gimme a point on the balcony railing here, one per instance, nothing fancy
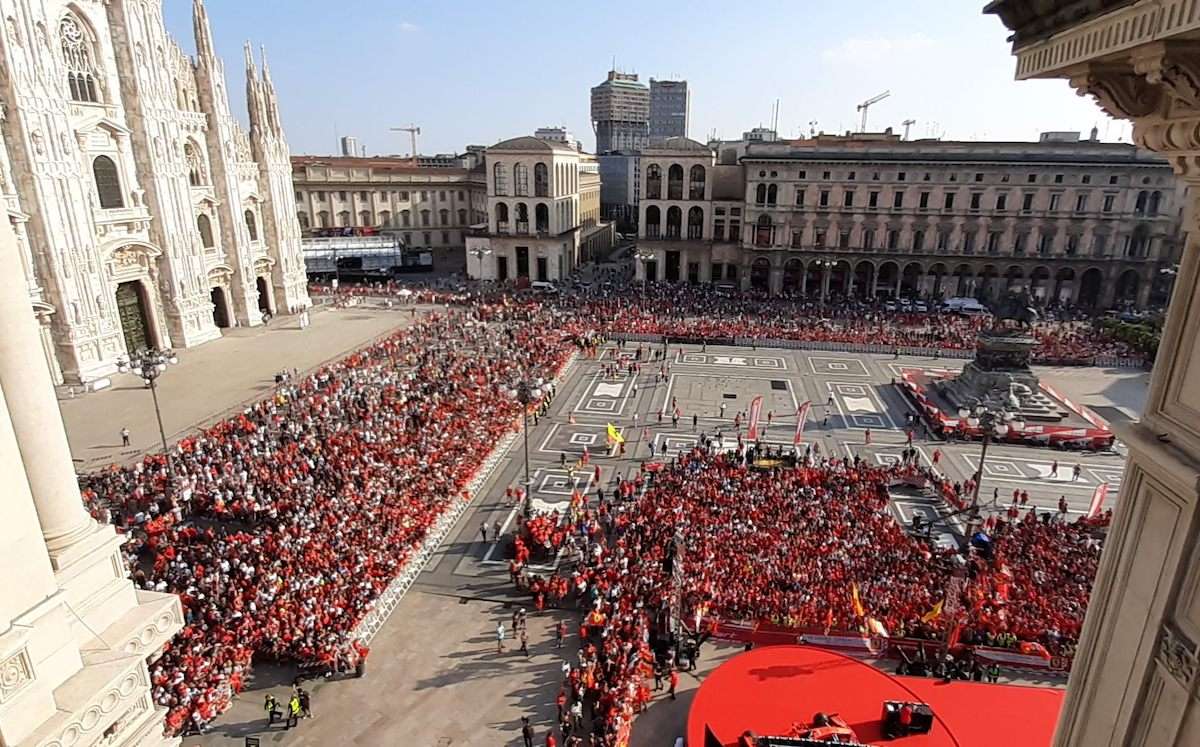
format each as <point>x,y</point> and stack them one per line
<point>522,227</point>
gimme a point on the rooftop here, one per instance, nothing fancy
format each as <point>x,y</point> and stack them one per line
<point>530,144</point>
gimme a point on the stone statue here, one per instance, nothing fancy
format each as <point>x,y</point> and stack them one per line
<point>1015,306</point>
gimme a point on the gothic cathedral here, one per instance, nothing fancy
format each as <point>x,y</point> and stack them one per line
<point>147,216</point>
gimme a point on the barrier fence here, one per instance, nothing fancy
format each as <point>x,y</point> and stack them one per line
<point>846,347</point>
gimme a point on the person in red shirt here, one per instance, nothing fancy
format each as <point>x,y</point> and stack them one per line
<point>674,680</point>
<point>550,740</point>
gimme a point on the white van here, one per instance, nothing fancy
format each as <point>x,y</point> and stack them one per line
<point>541,286</point>
<point>964,306</point>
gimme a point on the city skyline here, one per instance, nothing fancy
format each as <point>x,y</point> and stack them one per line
<point>455,67</point>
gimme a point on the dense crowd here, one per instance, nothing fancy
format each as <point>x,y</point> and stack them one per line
<point>811,547</point>
<point>279,527</point>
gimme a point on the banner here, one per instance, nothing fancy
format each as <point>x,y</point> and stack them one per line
<point>755,413</point>
<point>614,435</point>
<point>1098,497</point>
<point>801,416</point>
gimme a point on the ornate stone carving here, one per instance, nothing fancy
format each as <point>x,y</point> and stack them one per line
<point>1171,65</point>
<point>15,673</point>
<point>1119,91</point>
<point>1178,656</point>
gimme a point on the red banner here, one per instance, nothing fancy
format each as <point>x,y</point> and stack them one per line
<point>1098,500</point>
<point>755,413</point>
<point>801,416</point>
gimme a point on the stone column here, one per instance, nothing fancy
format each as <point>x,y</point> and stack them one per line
<point>1143,294</point>
<point>33,408</point>
<point>826,276</point>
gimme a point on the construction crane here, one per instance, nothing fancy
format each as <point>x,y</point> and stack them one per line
<point>908,123</point>
<point>413,131</point>
<point>867,105</point>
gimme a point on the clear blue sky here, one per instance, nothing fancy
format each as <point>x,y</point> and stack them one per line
<point>478,72</point>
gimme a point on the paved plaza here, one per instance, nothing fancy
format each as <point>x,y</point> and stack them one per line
<point>434,677</point>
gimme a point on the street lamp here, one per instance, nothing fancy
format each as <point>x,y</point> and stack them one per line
<point>825,266</point>
<point>148,364</point>
<point>480,252</point>
<point>644,257</point>
<point>992,421</point>
<point>526,392</point>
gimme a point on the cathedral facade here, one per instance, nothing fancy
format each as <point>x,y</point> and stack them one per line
<point>146,214</point>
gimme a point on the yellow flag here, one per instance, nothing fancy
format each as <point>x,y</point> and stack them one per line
<point>614,435</point>
<point>933,614</point>
<point>855,601</point>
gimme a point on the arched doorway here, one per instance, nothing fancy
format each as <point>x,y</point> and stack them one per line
<point>933,281</point>
<point>133,311</point>
<point>1090,284</point>
<point>792,272</point>
<point>863,277</point>
<point>985,287</point>
<point>885,279</point>
<point>265,302</point>
<point>1014,279</point>
<point>910,286</point>
<point>220,301</point>
<point>1064,285</point>
<point>760,274</point>
<point>1039,281</point>
<point>964,285</point>
<point>813,280</point>
<point>1127,287</point>
<point>839,281</point>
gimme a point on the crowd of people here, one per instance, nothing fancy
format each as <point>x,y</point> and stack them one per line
<point>279,527</point>
<point>811,547</point>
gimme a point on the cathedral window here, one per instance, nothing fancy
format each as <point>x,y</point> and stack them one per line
<point>79,59</point>
<point>197,176</point>
<point>251,225</point>
<point>204,226</point>
<point>108,183</point>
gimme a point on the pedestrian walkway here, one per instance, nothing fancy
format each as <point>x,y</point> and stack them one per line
<point>211,380</point>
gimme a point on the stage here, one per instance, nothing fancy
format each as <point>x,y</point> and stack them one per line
<point>769,689</point>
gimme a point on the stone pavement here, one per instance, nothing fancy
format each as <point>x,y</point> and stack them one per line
<point>211,380</point>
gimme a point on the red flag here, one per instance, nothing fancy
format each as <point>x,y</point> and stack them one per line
<point>1098,500</point>
<point>755,412</point>
<point>801,416</point>
<point>952,641</point>
<point>828,620</point>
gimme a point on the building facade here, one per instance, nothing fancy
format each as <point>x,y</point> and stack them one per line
<point>425,206</point>
<point>1079,222</point>
<point>146,215</point>
<point>543,213</point>
<point>1135,679</point>
<point>670,106</point>
<point>76,636</point>
<point>620,113</point>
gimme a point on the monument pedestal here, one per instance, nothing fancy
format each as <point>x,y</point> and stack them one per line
<point>1000,373</point>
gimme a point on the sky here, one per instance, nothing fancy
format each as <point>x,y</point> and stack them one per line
<point>473,72</point>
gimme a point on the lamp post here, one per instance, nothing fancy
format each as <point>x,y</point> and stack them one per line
<point>826,266</point>
<point>480,252</point>
<point>992,421</point>
<point>644,257</point>
<point>526,392</point>
<point>148,364</point>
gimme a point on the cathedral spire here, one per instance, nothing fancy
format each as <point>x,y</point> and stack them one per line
<point>203,32</point>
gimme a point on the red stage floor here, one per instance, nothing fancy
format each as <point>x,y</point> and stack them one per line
<point>771,688</point>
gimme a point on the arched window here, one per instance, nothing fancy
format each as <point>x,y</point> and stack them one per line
<point>653,222</point>
<point>762,231</point>
<point>696,183</point>
<point>653,182</point>
<point>772,194</point>
<point>1140,207</point>
<point>760,194</point>
<point>108,183</point>
<point>541,217</point>
<point>520,180</point>
<point>424,217</point>
<point>79,59</point>
<point>364,218</point>
<point>303,218</point>
<point>197,176</point>
<point>674,221</point>
<point>405,218</point>
<point>204,226</point>
<point>462,217</point>
<point>675,182</point>
<point>344,218</point>
<point>522,218</point>
<point>444,217</point>
<point>541,180</point>
<point>500,179</point>
<point>501,217</point>
<point>695,223</point>
<point>1155,199</point>
<point>385,218</point>
<point>251,224</point>
<point>323,219</point>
